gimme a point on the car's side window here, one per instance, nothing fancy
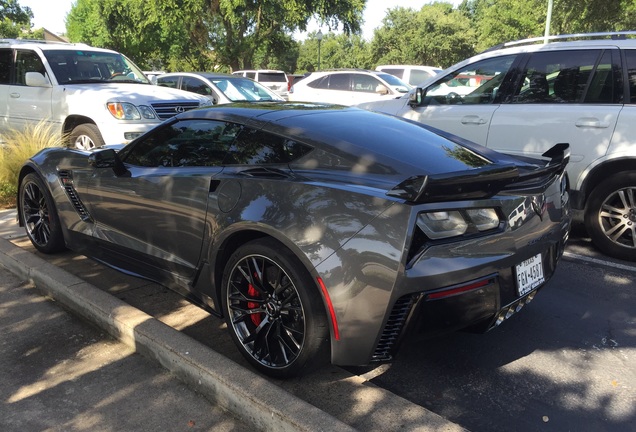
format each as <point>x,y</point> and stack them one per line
<point>171,82</point>
<point>27,61</point>
<point>195,85</point>
<point>340,82</point>
<point>256,147</point>
<point>477,83</point>
<point>6,59</point>
<point>576,76</point>
<point>630,59</point>
<point>185,143</point>
<point>365,83</point>
<point>320,83</point>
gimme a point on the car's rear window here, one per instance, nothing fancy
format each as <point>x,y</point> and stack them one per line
<point>272,77</point>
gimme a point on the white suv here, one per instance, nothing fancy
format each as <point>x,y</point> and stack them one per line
<point>275,80</point>
<point>411,74</point>
<point>524,97</point>
<point>348,87</point>
<point>93,96</point>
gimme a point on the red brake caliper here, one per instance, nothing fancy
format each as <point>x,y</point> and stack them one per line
<point>256,318</point>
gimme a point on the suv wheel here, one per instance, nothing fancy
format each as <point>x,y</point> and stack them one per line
<point>610,216</point>
<point>86,137</point>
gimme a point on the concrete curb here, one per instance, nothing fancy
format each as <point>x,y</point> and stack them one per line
<point>240,391</point>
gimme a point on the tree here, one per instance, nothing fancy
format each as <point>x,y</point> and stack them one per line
<point>336,51</point>
<point>437,35</point>
<point>14,19</point>
<point>206,34</point>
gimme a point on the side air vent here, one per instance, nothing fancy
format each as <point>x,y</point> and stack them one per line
<point>66,178</point>
<point>393,329</point>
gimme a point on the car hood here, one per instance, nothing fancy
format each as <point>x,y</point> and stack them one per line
<point>129,92</point>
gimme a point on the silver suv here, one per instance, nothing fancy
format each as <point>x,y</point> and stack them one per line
<point>524,97</point>
<point>92,95</point>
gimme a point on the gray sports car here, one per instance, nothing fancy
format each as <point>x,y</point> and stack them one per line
<point>316,231</point>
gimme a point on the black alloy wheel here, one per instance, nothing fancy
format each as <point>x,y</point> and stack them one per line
<point>39,215</point>
<point>610,216</point>
<point>273,309</point>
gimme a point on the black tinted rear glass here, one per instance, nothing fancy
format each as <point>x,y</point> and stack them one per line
<point>272,77</point>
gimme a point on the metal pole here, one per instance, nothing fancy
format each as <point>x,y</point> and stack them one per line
<point>547,22</point>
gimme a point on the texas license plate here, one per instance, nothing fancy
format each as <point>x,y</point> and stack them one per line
<point>529,275</point>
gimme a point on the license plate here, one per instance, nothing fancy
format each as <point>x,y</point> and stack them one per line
<point>529,274</point>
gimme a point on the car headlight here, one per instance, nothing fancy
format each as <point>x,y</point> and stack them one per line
<point>446,224</point>
<point>128,111</point>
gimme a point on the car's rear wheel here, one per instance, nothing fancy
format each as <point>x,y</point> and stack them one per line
<point>273,309</point>
<point>610,216</point>
<point>39,215</point>
<point>85,137</point>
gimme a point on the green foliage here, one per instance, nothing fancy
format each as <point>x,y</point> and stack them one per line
<point>14,19</point>
<point>437,35</point>
<point>336,51</point>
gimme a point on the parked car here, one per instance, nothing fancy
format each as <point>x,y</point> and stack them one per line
<point>220,88</point>
<point>317,231</point>
<point>91,95</point>
<point>411,74</point>
<point>275,80</point>
<point>523,97</point>
<point>348,87</point>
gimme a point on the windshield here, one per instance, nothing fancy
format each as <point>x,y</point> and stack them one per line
<point>244,89</point>
<point>85,66</point>
<point>395,82</point>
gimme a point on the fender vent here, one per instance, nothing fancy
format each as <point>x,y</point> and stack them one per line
<point>66,178</point>
<point>393,329</point>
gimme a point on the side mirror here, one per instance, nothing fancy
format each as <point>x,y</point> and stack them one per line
<point>36,79</point>
<point>417,97</point>
<point>381,89</point>
<point>108,158</point>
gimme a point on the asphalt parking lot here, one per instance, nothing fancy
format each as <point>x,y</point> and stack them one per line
<point>194,346</point>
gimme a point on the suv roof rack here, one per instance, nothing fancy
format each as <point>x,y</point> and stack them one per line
<point>577,36</point>
<point>30,41</point>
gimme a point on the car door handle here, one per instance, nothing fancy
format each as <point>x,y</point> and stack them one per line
<point>473,119</point>
<point>591,122</point>
<point>15,95</point>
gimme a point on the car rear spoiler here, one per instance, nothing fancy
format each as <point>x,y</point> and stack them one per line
<point>480,183</point>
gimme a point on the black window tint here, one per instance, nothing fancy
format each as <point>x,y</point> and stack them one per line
<point>364,83</point>
<point>27,61</point>
<point>339,82</point>
<point>630,59</point>
<point>575,76</point>
<point>185,143</point>
<point>272,77</point>
<point>195,85</point>
<point>6,59</point>
<point>397,72</point>
<point>255,147</point>
<point>322,83</point>
<point>170,82</point>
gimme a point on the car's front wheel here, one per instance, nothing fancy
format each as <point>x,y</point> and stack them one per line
<point>610,216</point>
<point>85,137</point>
<point>39,216</point>
<point>273,310</point>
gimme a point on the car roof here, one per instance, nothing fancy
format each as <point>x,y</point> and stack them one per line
<point>259,70</point>
<point>207,75</point>
<point>394,147</point>
<point>50,45</point>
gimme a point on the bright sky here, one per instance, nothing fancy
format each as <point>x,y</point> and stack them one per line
<point>52,17</point>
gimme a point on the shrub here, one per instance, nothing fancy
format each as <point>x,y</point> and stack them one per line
<point>17,148</point>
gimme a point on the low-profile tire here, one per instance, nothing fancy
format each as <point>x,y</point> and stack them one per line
<point>273,310</point>
<point>39,215</point>
<point>85,137</point>
<point>610,216</point>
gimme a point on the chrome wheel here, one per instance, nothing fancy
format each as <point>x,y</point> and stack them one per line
<point>265,311</point>
<point>617,217</point>
<point>610,216</point>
